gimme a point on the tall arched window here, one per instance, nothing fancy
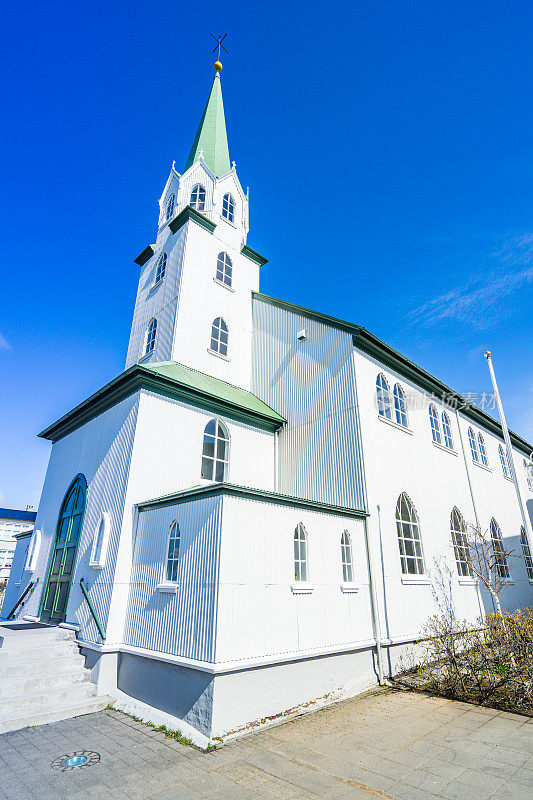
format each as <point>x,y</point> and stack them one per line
<point>434,422</point>
<point>215,452</point>
<point>151,333</point>
<point>460,544</point>
<point>526,552</point>
<point>198,197</point>
<point>447,431</point>
<point>409,541</point>
<point>224,269</point>
<point>161,267</point>
<point>383,395</point>
<point>346,555</point>
<point>300,553</point>
<point>400,409</point>
<point>529,474</point>
<point>473,445</point>
<point>504,461</point>
<point>171,204</point>
<point>173,551</point>
<point>228,207</point>
<point>497,548</point>
<point>219,336</point>
<point>482,451</point>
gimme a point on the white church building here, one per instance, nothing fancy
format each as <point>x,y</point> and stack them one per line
<point>246,521</point>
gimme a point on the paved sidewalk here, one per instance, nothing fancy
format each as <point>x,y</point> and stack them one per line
<point>385,744</point>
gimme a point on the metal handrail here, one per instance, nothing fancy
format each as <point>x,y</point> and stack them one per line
<point>29,588</point>
<point>91,609</point>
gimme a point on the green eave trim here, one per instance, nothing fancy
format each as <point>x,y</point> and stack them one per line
<point>190,213</point>
<point>143,257</point>
<point>382,352</point>
<point>231,490</point>
<point>139,377</point>
<point>253,256</point>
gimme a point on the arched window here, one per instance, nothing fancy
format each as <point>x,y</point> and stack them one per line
<point>346,555</point>
<point>100,541</point>
<point>497,548</point>
<point>504,461</point>
<point>198,197</point>
<point>228,207</point>
<point>482,451</point>
<point>219,336</point>
<point>408,530</point>
<point>151,333</point>
<point>171,204</point>
<point>473,445</point>
<point>400,410</point>
<point>460,544</point>
<point>383,395</point>
<point>215,453</point>
<point>526,552</point>
<point>300,553</point>
<point>447,431</point>
<point>224,269</point>
<point>528,469</point>
<point>173,551</point>
<point>161,267</point>
<point>434,422</point>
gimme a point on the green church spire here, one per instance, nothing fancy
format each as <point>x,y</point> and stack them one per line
<point>211,141</point>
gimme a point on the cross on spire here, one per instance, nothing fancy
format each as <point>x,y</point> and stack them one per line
<point>219,39</point>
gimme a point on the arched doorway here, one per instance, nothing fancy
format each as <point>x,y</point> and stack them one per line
<point>63,556</point>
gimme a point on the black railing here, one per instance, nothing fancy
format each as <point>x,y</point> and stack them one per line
<point>29,589</point>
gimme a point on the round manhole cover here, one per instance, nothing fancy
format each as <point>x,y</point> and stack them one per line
<point>81,758</point>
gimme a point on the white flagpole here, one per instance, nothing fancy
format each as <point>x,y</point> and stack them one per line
<point>508,447</point>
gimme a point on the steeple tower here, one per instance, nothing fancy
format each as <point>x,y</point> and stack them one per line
<point>211,141</point>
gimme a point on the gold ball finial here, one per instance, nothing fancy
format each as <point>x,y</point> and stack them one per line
<point>218,66</point>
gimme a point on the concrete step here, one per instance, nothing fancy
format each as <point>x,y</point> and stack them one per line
<point>37,653</point>
<point>45,666</point>
<point>39,682</point>
<point>45,715</point>
<point>35,702</point>
<point>25,640</point>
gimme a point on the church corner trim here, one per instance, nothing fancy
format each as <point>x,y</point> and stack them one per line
<point>254,256</point>
<point>145,256</point>
<point>246,492</point>
<point>190,213</point>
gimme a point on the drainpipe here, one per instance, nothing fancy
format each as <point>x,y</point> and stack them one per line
<point>525,520</point>
<point>376,628</point>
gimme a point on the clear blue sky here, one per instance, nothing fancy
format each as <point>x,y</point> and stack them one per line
<point>389,156</point>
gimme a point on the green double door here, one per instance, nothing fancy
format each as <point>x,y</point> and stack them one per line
<point>63,557</point>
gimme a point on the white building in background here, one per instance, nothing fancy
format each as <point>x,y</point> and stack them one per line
<point>12,522</point>
<point>256,507</point>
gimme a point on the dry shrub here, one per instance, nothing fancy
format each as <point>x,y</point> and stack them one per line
<point>491,664</point>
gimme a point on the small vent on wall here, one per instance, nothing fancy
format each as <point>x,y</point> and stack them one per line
<point>301,335</point>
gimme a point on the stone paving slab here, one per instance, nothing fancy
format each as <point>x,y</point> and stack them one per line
<point>385,744</point>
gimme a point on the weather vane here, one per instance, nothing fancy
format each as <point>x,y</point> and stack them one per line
<point>219,39</point>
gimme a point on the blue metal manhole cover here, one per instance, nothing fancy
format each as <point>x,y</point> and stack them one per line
<point>81,758</point>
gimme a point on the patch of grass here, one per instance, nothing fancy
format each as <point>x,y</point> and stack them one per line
<point>168,732</point>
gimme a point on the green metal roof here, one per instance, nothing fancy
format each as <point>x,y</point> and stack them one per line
<point>214,387</point>
<point>171,379</point>
<point>211,137</point>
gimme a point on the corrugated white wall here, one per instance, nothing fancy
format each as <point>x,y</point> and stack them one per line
<point>311,383</point>
<point>436,480</point>
<point>183,623</point>
<point>258,613</point>
<point>101,451</point>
